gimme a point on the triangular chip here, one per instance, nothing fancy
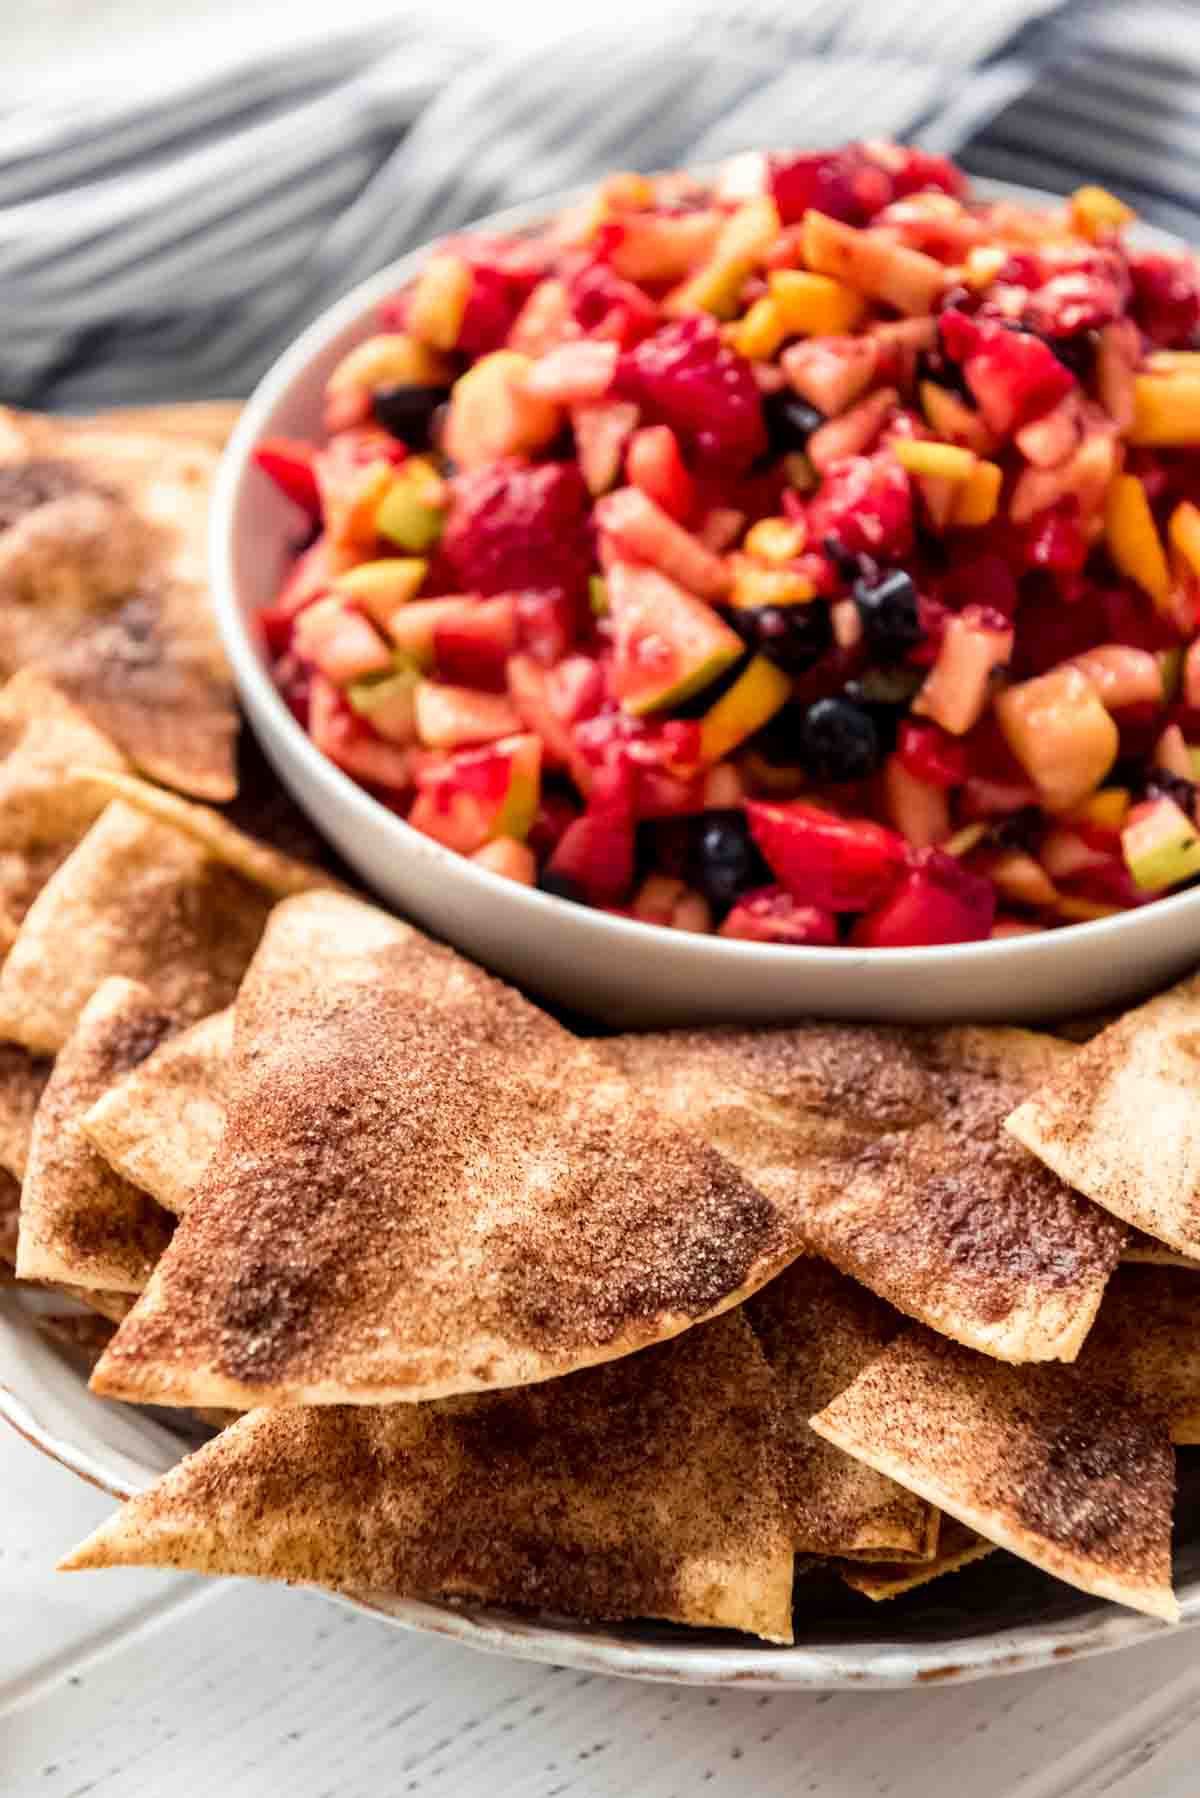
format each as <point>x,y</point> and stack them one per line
<point>10,1211</point>
<point>260,862</point>
<point>1151,1252</point>
<point>80,1221</point>
<point>1147,1337</point>
<point>1118,1119</point>
<point>958,1547</point>
<point>639,1489</point>
<point>885,1149</point>
<point>161,1124</point>
<point>426,1186</point>
<point>139,899</point>
<point>1065,1472</point>
<point>45,807</point>
<point>103,587</point>
<point>23,1080</point>
<point>81,1336</point>
<point>196,421</point>
<point>819,1330</point>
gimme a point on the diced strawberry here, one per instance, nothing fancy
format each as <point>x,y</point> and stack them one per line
<point>689,378</point>
<point>837,864</point>
<point>1166,296</point>
<point>603,305</point>
<point>340,642</point>
<point>341,736</point>
<point>841,183</point>
<point>937,901</point>
<point>653,462</point>
<point>513,527</point>
<point>931,755</point>
<point>923,171</point>
<point>289,463</point>
<point>466,800</point>
<point>595,855</point>
<point>865,505</point>
<point>1013,375</point>
<point>772,915</point>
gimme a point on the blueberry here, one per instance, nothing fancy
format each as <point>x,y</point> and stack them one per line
<point>408,412</point>
<point>560,885</point>
<point>1162,785</point>
<point>838,741</point>
<point>793,637</point>
<point>790,421</point>
<point>725,859</point>
<point>1077,352</point>
<point>890,614</point>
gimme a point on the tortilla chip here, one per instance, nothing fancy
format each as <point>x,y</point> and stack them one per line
<point>1065,1472</point>
<point>268,867</point>
<point>818,1331</point>
<point>135,898</point>
<point>884,1148</point>
<point>23,1080</point>
<point>10,1211</point>
<point>958,1547</point>
<point>81,1336</point>
<point>642,1488</point>
<point>1146,1337</point>
<point>80,1221</point>
<point>112,1305</point>
<point>426,1186</point>
<point>103,586</point>
<point>1119,1119</point>
<point>161,1124</point>
<point>1145,1249</point>
<point>196,421</point>
<point>44,807</point>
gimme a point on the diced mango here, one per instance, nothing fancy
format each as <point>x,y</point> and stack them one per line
<point>1059,731</point>
<point>1094,211</point>
<point>873,263</point>
<point>775,539</point>
<point>753,587</point>
<point>438,302</point>
<point>758,693</point>
<point>1166,409</point>
<point>941,461</point>
<point>976,500</point>
<point>1107,808</point>
<point>1183,534</point>
<point>759,334</point>
<point>815,305</point>
<point>1133,540</point>
<point>389,359</point>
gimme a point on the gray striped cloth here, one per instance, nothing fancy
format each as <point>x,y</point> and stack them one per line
<point>167,247</point>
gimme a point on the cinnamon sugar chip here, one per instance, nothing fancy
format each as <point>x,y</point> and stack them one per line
<point>426,1186</point>
<point>81,1222</point>
<point>135,898</point>
<point>1062,1470</point>
<point>884,1147</point>
<point>1119,1119</point>
<point>10,1211</point>
<point>161,1124</point>
<point>23,1080</point>
<point>1150,1252</point>
<point>958,1547</point>
<point>103,588</point>
<point>640,1489</point>
<point>1146,1337</point>
<point>819,1330</point>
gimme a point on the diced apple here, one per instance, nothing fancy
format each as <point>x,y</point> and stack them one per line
<point>381,588</point>
<point>337,733</point>
<point>388,704</point>
<point>1118,352</point>
<point>389,359</point>
<point>1059,731</point>
<point>953,421</point>
<point>451,717</point>
<point>493,412</point>
<point>831,372</point>
<point>1122,675</point>
<point>1019,878</point>
<point>668,643</point>
<point>1161,845</point>
<point>546,319</point>
<point>663,246</point>
<point>437,304</point>
<point>917,809</point>
<point>506,856</point>
<point>773,915</point>
<point>574,373</point>
<point>339,641</point>
<point>873,263</point>
<point>854,432</point>
<point>957,688</point>
<point>641,529</point>
<point>410,509</point>
<point>602,430</point>
<point>468,799</point>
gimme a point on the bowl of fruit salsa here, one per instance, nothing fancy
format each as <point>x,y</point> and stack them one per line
<point>769,591</point>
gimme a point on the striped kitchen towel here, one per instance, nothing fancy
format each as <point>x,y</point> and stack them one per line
<point>167,245</point>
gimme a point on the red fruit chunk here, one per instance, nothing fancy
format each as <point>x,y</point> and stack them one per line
<point>547,623</point>
<point>771,915</point>
<point>643,531</point>
<point>466,800</point>
<point>918,171</point>
<point>653,463</point>
<point>937,901</point>
<point>595,855</point>
<point>844,184</point>
<point>472,643</point>
<point>865,504</point>
<point>512,526</point>
<point>931,754</point>
<point>1013,375</point>
<point>290,465</point>
<point>604,305</point>
<point>837,864</point>
<point>1056,541</point>
<point>690,379</point>
<point>1166,297</point>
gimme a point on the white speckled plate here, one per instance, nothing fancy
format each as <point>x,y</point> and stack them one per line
<point>999,1617</point>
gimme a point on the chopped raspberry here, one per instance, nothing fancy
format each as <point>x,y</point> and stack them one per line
<point>604,305</point>
<point>865,506</point>
<point>513,527</point>
<point>845,184</point>
<point>692,381</point>
<point>919,171</point>
<point>1166,297</point>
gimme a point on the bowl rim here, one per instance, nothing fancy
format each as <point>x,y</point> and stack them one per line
<point>890,1662</point>
<point>1034,954</point>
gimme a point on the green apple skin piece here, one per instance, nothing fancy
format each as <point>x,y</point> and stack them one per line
<point>516,815</point>
<point>1162,846</point>
<point>382,587</point>
<point>388,705</point>
<point>669,644</point>
<point>411,514</point>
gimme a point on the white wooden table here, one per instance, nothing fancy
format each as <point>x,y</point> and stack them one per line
<point>130,1685</point>
<point>139,1686</point>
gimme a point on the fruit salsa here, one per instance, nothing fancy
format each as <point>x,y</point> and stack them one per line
<point>809,555</point>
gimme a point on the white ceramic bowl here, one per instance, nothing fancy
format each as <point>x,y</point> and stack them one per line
<point>615,969</point>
